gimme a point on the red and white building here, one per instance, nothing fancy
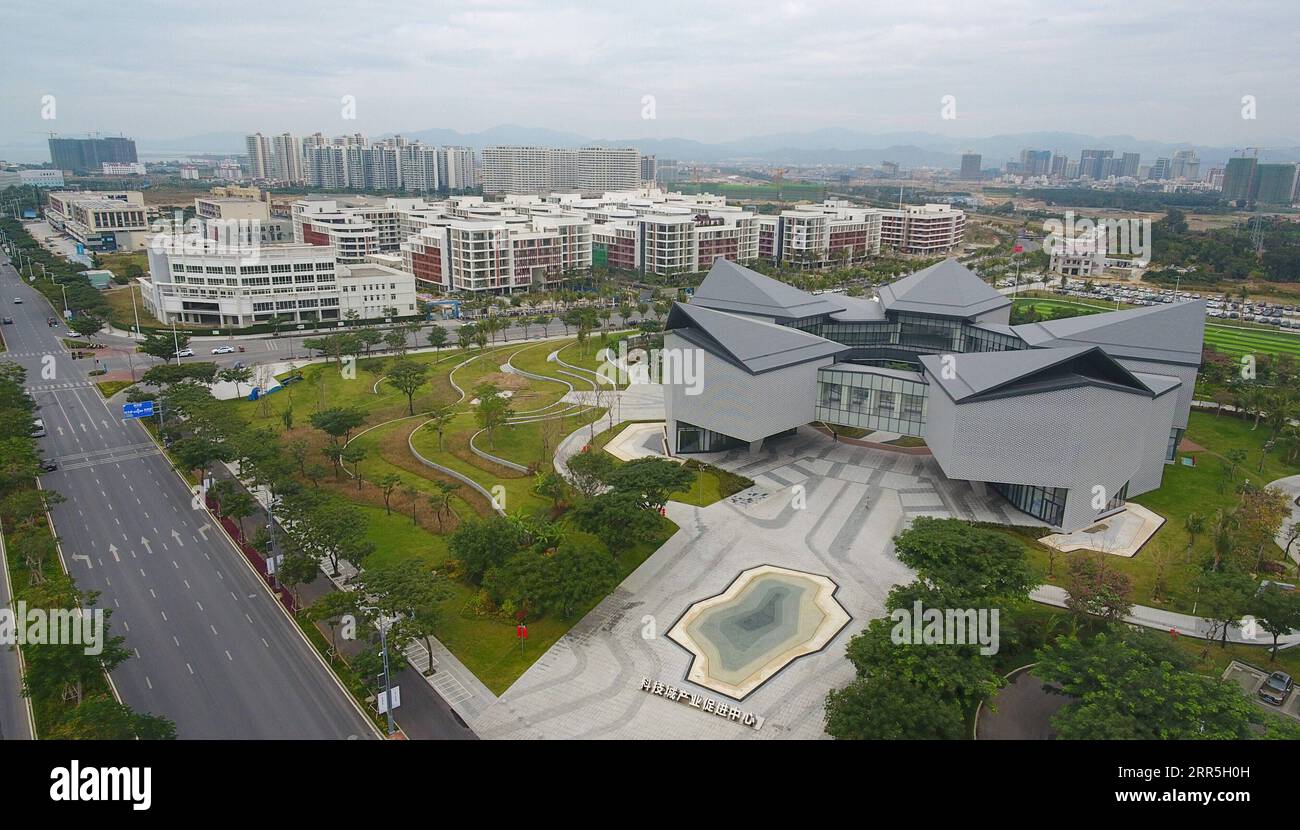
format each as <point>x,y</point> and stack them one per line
<point>927,230</point>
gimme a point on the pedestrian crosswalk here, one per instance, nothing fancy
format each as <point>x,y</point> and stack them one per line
<point>90,458</point>
<point>52,387</point>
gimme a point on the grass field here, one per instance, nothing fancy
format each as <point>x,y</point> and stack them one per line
<point>122,315</point>
<point>1187,490</point>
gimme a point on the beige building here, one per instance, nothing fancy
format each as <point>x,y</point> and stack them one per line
<point>101,220</point>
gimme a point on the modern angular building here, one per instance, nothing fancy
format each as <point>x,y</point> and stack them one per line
<point>1065,418</point>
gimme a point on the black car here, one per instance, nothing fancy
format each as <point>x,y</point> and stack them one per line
<point>1277,686</point>
<point>8,321</point>
<point>49,465</point>
<point>291,380</point>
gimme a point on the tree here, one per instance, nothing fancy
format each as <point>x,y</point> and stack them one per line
<point>338,423</point>
<point>440,501</point>
<point>1277,611</point>
<point>1092,588</point>
<point>439,421</point>
<point>104,719</point>
<point>589,472</point>
<point>437,337</point>
<point>238,506</point>
<point>1194,524</point>
<point>1135,684</point>
<point>63,671</point>
<point>297,568</point>
<point>966,561</point>
<point>238,376</point>
<point>163,346</point>
<point>493,410</point>
<point>407,377</point>
<point>86,324</point>
<point>559,581</point>
<point>354,455</point>
<point>387,484</point>
<point>1223,597</point>
<point>395,340</point>
<point>481,544</point>
<point>618,519</point>
<point>650,480</point>
<point>1259,517</point>
<point>199,453</point>
<point>875,708</point>
<point>331,609</point>
<point>410,589</point>
<point>369,338</point>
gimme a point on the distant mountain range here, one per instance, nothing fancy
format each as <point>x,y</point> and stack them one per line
<point>833,146</point>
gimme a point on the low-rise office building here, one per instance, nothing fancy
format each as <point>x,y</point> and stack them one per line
<point>198,281</point>
<point>1065,418</point>
<point>108,220</point>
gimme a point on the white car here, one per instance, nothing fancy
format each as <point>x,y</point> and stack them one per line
<point>224,350</point>
<point>18,300</point>
<point>185,352</point>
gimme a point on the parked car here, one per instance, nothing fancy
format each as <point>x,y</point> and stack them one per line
<point>291,379</point>
<point>1277,687</point>
<point>38,428</point>
<point>49,465</point>
<point>185,352</point>
<point>223,350</point>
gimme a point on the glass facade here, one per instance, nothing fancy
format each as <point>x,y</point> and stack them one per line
<point>691,438</point>
<point>1046,503</point>
<point>872,401</point>
<point>905,335</point>
<point>1175,437</point>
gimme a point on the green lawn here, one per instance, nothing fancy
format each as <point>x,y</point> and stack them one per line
<point>1186,490</point>
<point>485,644</point>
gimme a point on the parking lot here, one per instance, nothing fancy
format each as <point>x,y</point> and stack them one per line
<point>1250,678</point>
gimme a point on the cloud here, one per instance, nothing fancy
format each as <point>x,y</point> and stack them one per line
<point>718,70</point>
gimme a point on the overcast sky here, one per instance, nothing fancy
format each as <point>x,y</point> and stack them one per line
<point>718,69</point>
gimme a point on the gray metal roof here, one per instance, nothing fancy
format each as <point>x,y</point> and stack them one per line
<point>855,309</point>
<point>979,375</point>
<point>1172,332</point>
<point>946,288</point>
<point>753,345</point>
<point>735,288</point>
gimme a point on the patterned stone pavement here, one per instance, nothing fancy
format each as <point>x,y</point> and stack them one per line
<point>840,524</point>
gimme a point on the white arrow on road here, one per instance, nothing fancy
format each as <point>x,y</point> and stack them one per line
<point>203,531</point>
<point>113,550</point>
<point>177,536</point>
<point>86,558</point>
<point>145,542</point>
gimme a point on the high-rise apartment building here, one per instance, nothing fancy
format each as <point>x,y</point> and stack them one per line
<point>1275,184</point>
<point>970,166</point>
<point>1096,164</point>
<point>87,155</point>
<point>1239,180</point>
<point>1035,162</point>
<point>260,165</point>
<point>1186,166</point>
<point>287,159</point>
<point>588,170</point>
<point>1128,165</point>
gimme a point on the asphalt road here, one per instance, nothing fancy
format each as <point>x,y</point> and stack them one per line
<point>14,724</point>
<point>211,649</point>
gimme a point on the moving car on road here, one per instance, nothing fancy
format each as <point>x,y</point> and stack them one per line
<point>49,465</point>
<point>223,350</point>
<point>38,428</point>
<point>9,321</point>
<point>18,300</point>
<point>185,352</point>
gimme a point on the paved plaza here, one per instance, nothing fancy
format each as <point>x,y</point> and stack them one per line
<point>838,523</point>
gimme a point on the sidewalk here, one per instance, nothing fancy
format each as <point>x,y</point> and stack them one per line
<point>1161,620</point>
<point>428,710</point>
